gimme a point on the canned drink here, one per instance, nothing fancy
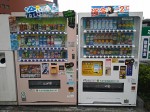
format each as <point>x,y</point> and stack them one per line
<point>39,27</point>
<point>55,27</point>
<point>21,27</point>
<point>44,27</point>
<point>29,26</point>
<point>47,27</point>
<point>62,27</point>
<point>25,26</point>
<point>52,54</point>
<point>36,27</point>
<point>59,27</point>
<point>32,27</point>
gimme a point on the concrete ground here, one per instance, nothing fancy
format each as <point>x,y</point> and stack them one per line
<point>138,108</point>
<point>68,109</point>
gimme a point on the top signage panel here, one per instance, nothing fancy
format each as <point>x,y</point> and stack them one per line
<point>109,11</point>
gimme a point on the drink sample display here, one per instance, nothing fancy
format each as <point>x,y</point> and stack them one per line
<point>108,59</point>
<point>108,23</point>
<point>108,38</point>
<point>45,61</point>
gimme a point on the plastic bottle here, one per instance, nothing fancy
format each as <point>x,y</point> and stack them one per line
<point>91,39</point>
<point>22,43</point>
<point>91,24</point>
<point>110,24</point>
<point>95,24</point>
<point>33,41</point>
<point>40,41</point>
<point>103,23</point>
<point>37,41</point>
<point>44,41</point>
<point>48,41</point>
<point>107,24</point>
<point>114,23</point>
<point>52,41</point>
<point>99,25</point>
<point>87,40</point>
<point>45,54</point>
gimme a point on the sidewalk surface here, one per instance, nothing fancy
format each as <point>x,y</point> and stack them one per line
<point>40,108</point>
<point>68,109</point>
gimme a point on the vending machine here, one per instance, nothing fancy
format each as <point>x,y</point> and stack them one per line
<point>7,66</point>
<point>108,59</point>
<point>45,60</point>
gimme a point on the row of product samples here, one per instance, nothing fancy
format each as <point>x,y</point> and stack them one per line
<point>42,40</point>
<point>41,27</point>
<point>42,54</point>
<point>108,23</point>
<point>108,38</point>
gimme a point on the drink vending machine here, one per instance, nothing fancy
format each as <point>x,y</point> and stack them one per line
<point>109,59</point>
<point>45,60</point>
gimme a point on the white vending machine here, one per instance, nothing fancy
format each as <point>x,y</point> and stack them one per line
<point>108,59</point>
<point>7,69</point>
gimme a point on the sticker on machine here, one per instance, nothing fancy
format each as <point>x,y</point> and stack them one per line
<point>46,90</point>
<point>68,70</point>
<point>45,68</point>
<point>30,71</point>
<point>92,68</point>
<point>114,60</point>
<point>108,66</point>
<point>122,73</point>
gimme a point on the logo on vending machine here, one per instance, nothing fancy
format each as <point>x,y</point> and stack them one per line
<point>47,10</point>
